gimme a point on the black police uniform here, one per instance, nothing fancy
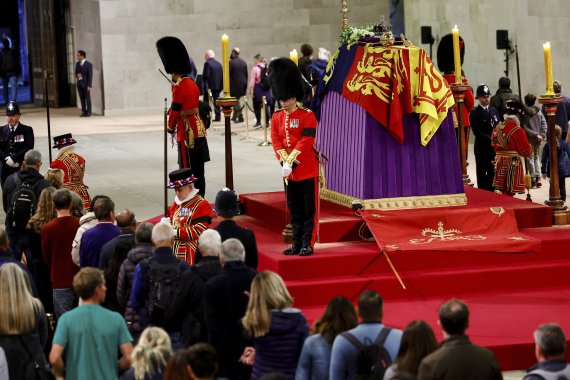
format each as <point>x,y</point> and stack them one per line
<point>14,143</point>
<point>483,121</point>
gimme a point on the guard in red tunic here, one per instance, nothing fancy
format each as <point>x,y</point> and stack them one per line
<point>293,132</point>
<point>446,65</point>
<point>510,143</point>
<point>184,117</point>
<point>73,166</point>
<point>190,214</point>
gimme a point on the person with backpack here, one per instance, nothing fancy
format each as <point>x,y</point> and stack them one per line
<point>15,140</point>
<point>190,299</point>
<point>259,87</point>
<point>155,283</point>
<point>550,351</point>
<point>457,357</point>
<point>20,197</point>
<point>366,351</point>
<point>9,70</point>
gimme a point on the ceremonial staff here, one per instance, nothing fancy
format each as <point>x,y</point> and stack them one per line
<point>165,158</point>
<point>46,95</point>
<point>527,177</point>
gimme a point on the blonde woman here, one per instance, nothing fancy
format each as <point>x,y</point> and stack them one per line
<point>23,325</point>
<point>150,355</point>
<point>55,178</point>
<point>45,212</point>
<point>278,330</point>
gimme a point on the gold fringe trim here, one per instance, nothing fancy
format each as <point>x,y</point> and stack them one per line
<point>402,203</point>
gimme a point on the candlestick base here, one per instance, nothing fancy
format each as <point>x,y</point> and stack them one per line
<point>459,90</point>
<point>227,103</point>
<point>559,209</point>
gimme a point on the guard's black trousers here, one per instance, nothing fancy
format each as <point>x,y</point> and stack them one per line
<point>301,200</point>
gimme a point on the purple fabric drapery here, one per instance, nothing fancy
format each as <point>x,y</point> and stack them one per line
<point>365,162</point>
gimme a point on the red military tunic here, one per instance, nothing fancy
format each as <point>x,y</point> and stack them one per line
<point>189,220</point>
<point>184,116</point>
<point>293,139</point>
<point>73,166</point>
<point>510,142</point>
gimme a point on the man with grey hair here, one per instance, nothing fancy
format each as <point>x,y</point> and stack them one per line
<point>225,302</point>
<point>550,351</point>
<point>212,79</point>
<point>18,212</point>
<point>155,283</point>
<point>189,301</point>
<point>142,250</point>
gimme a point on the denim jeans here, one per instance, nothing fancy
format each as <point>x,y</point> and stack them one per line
<point>12,81</point>
<point>62,301</point>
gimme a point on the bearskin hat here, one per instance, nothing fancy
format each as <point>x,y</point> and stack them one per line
<point>445,53</point>
<point>286,79</point>
<point>174,56</point>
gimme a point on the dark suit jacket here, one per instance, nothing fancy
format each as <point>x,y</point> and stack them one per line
<point>238,77</point>
<point>212,75</point>
<point>86,71</point>
<point>16,145</point>
<point>482,124</point>
<point>229,229</point>
<point>224,307</point>
<point>458,358</point>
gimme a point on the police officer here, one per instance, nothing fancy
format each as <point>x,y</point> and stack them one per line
<point>483,120</point>
<point>15,140</point>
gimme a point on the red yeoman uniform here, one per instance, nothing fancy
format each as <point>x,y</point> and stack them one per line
<point>73,166</point>
<point>510,142</point>
<point>189,220</point>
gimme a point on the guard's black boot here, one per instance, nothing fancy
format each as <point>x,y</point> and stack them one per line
<point>306,250</point>
<point>293,250</point>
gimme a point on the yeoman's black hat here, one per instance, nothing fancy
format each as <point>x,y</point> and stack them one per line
<point>514,107</point>
<point>63,140</point>
<point>180,177</point>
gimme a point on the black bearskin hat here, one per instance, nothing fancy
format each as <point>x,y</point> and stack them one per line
<point>445,53</point>
<point>174,56</point>
<point>286,79</point>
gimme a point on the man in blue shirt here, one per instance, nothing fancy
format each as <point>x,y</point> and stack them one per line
<point>94,239</point>
<point>344,353</point>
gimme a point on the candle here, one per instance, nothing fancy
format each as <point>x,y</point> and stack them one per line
<point>226,64</point>
<point>456,55</point>
<point>293,56</point>
<point>548,68</point>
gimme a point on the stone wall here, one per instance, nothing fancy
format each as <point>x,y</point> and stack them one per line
<point>130,28</point>
<point>530,24</point>
<point>86,27</point>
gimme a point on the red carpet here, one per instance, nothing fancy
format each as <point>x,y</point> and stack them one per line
<point>509,294</point>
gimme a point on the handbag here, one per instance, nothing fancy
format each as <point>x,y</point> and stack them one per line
<point>35,370</point>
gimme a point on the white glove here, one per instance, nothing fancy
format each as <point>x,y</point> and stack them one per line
<point>165,220</point>
<point>11,162</point>
<point>286,169</point>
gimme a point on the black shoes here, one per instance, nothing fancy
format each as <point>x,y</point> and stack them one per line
<point>306,251</point>
<point>295,249</point>
<point>257,126</point>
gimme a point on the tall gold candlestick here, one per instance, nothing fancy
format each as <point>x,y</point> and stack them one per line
<point>548,69</point>
<point>456,54</point>
<point>226,64</point>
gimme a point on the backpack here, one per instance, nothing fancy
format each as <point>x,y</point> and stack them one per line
<point>264,79</point>
<point>164,282</point>
<point>373,359</point>
<point>22,205</point>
